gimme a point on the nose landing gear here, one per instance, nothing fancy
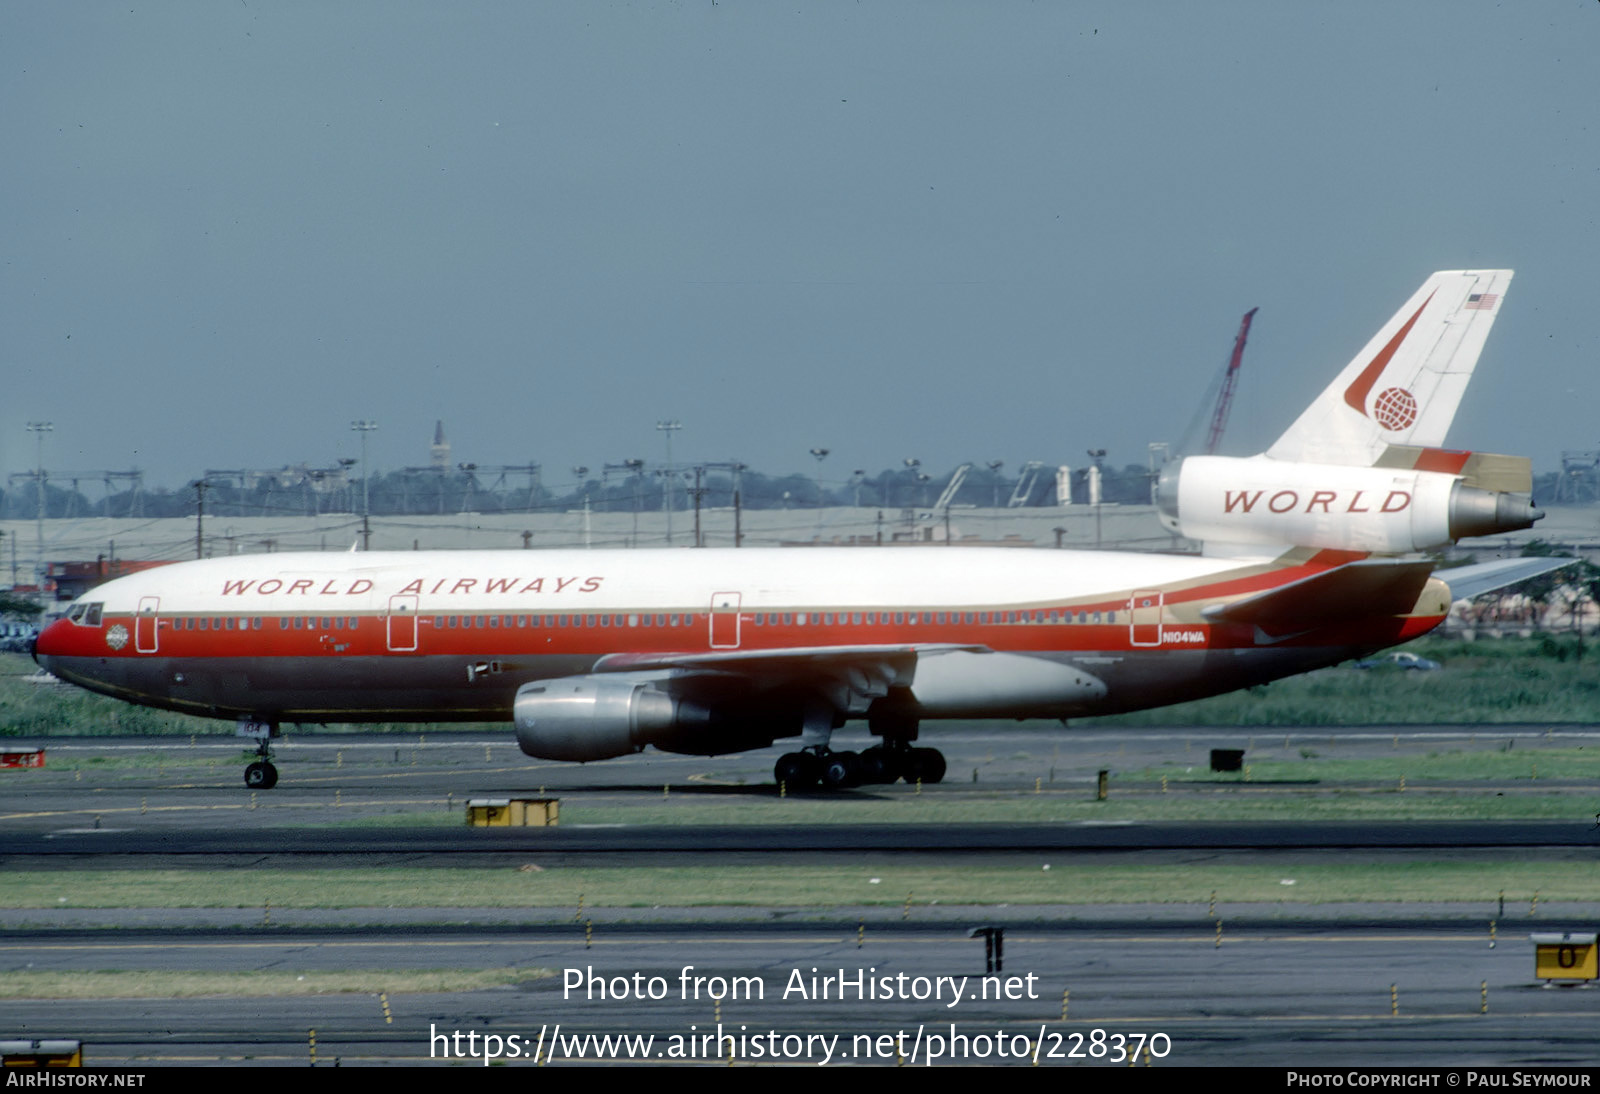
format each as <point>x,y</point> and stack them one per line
<point>260,775</point>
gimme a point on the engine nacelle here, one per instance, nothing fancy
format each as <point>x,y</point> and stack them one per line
<point>586,718</point>
<point>1382,510</point>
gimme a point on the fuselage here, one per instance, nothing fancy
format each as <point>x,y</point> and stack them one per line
<point>453,635</point>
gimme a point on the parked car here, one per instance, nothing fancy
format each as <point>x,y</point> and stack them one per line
<point>1398,659</point>
<point>16,637</point>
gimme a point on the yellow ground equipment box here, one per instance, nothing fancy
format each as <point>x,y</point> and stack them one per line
<point>16,1053</point>
<point>1564,956</point>
<point>514,812</point>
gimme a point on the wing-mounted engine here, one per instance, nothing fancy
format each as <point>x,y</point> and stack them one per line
<point>1395,507</point>
<point>585,718</point>
<point>695,712</point>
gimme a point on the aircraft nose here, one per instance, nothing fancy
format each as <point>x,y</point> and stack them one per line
<point>45,643</point>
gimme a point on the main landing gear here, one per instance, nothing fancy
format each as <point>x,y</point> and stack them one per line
<point>885,763</point>
<point>260,775</point>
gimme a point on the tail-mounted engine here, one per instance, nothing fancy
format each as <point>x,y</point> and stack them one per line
<point>1401,505</point>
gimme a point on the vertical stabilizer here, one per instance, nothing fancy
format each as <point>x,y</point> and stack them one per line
<point>1404,386</point>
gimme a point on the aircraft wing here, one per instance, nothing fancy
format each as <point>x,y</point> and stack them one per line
<point>1356,590</point>
<point>802,659</point>
<point>849,677</point>
<point>1467,582</point>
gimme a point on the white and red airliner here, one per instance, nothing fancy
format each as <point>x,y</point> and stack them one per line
<point>1312,554</point>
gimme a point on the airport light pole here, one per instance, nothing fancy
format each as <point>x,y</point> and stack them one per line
<point>994,467</point>
<point>821,454</point>
<point>1097,484</point>
<point>913,465</point>
<point>39,429</point>
<point>363,426</point>
<point>668,429</point>
<point>581,474</point>
<point>636,473</point>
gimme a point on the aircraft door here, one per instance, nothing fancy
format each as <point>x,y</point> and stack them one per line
<point>145,639</point>
<point>403,624</point>
<point>725,621</point>
<point>1144,617</point>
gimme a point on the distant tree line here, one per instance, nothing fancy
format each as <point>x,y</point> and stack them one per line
<point>410,493</point>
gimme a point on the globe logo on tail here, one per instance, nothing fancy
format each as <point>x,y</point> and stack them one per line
<point>1395,409</point>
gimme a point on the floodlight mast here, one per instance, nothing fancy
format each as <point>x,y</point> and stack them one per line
<point>364,426</point>
<point>39,429</point>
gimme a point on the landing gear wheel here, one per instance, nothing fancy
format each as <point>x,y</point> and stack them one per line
<point>796,771</point>
<point>841,770</point>
<point>926,764</point>
<point>880,765</point>
<point>261,776</point>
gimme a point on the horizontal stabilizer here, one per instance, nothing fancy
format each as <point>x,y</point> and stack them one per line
<point>1358,590</point>
<point>1467,582</point>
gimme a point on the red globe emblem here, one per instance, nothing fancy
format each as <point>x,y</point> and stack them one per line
<point>1395,409</point>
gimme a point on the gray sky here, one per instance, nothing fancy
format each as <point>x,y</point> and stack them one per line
<point>946,230</point>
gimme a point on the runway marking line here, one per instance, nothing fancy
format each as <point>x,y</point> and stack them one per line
<point>112,810</point>
<point>557,942</point>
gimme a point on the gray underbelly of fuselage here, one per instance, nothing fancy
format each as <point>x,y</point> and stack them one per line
<point>456,688</point>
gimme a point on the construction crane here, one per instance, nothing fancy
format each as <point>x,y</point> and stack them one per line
<point>1027,481</point>
<point>950,489</point>
<point>1219,418</point>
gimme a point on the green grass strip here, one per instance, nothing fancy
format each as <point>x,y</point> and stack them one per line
<point>820,886</point>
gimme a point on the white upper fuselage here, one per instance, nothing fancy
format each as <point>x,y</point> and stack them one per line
<point>620,580</point>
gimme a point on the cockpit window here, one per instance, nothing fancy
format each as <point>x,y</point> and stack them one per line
<point>86,615</point>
